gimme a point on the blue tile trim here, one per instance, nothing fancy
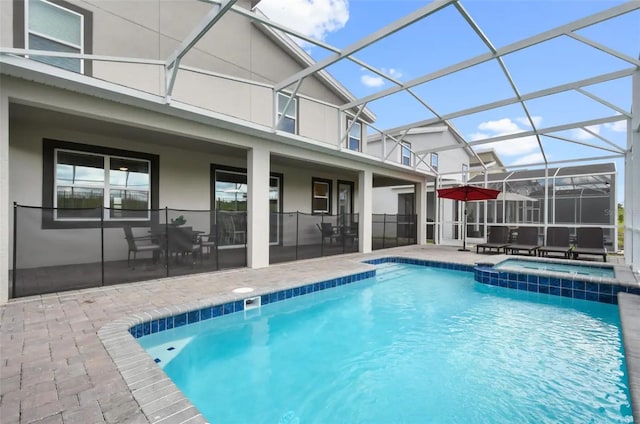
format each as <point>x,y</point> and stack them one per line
<point>422,262</point>
<point>209,312</point>
<point>578,289</point>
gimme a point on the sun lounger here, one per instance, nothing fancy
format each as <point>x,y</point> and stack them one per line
<point>590,241</point>
<point>527,241</point>
<point>497,239</point>
<point>557,241</point>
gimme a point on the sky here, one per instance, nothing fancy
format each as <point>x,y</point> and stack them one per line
<point>445,38</point>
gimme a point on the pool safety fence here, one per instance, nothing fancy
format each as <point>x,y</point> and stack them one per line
<point>59,249</point>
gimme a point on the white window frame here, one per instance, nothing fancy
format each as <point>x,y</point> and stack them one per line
<point>285,97</point>
<point>27,30</point>
<point>406,147</point>
<point>327,198</point>
<point>434,158</point>
<point>465,173</point>
<point>107,187</point>
<point>350,137</point>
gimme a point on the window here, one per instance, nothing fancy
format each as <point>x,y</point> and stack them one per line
<point>80,179</point>
<point>321,196</point>
<point>85,180</point>
<point>465,173</point>
<point>288,122</point>
<point>355,136</point>
<point>434,161</point>
<point>56,25</point>
<point>406,153</point>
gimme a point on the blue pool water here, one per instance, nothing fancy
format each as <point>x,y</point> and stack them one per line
<point>525,265</point>
<point>412,345</point>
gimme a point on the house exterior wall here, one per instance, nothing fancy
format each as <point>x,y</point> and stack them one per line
<point>233,46</point>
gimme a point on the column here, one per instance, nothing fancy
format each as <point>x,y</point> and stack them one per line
<point>258,207</point>
<point>365,207</point>
<point>632,174</point>
<point>6,210</point>
<point>420,190</point>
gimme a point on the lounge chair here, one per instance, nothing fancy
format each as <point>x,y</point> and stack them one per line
<point>557,241</point>
<point>498,239</point>
<point>590,241</point>
<point>527,241</point>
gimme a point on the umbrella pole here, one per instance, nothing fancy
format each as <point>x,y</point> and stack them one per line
<point>464,231</point>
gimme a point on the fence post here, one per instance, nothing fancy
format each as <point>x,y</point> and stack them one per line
<point>384,228</point>
<point>215,213</point>
<point>15,251</point>
<point>102,244</point>
<point>245,239</point>
<point>321,234</point>
<point>297,232</point>
<point>166,239</point>
<point>397,227</point>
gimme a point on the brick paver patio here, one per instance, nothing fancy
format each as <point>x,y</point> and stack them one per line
<point>55,369</point>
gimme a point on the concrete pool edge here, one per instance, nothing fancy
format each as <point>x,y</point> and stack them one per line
<point>159,398</point>
<point>630,322</point>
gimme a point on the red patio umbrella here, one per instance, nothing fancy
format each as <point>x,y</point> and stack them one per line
<point>467,193</point>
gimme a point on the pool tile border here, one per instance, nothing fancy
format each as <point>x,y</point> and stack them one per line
<point>421,262</point>
<point>191,316</point>
<point>557,285</point>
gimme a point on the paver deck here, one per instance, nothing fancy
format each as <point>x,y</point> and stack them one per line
<point>55,369</point>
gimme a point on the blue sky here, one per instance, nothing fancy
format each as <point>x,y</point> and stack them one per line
<point>445,39</point>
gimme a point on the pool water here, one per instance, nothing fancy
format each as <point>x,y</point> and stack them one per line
<point>525,265</point>
<point>411,345</point>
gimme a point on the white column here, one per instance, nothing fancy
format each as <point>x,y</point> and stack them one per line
<point>365,208</point>
<point>421,210</point>
<point>6,215</point>
<point>632,175</point>
<point>258,207</point>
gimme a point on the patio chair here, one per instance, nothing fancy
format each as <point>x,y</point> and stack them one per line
<point>182,241</point>
<point>590,241</point>
<point>498,239</point>
<point>527,241</point>
<point>557,241</point>
<point>208,241</point>
<point>328,231</point>
<point>140,244</point>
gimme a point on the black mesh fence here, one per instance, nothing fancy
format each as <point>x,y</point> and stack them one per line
<point>65,249</point>
<point>393,230</point>
<point>57,250</point>
<point>296,235</point>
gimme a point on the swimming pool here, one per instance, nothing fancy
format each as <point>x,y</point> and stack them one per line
<point>413,344</point>
<point>560,267</point>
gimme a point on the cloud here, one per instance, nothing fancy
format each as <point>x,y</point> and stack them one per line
<point>530,159</point>
<point>372,81</point>
<point>618,126</point>
<point>393,72</point>
<point>580,134</point>
<point>537,120</point>
<point>314,18</point>
<point>506,126</point>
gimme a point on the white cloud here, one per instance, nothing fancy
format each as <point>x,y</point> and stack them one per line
<point>393,72</point>
<point>537,120</point>
<point>532,158</point>
<point>580,134</point>
<point>506,126</point>
<point>315,18</point>
<point>618,126</point>
<point>371,81</point>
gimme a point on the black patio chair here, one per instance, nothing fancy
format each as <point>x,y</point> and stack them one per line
<point>557,241</point>
<point>589,241</point>
<point>183,242</point>
<point>498,238</point>
<point>140,244</point>
<point>527,241</point>
<point>329,232</point>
